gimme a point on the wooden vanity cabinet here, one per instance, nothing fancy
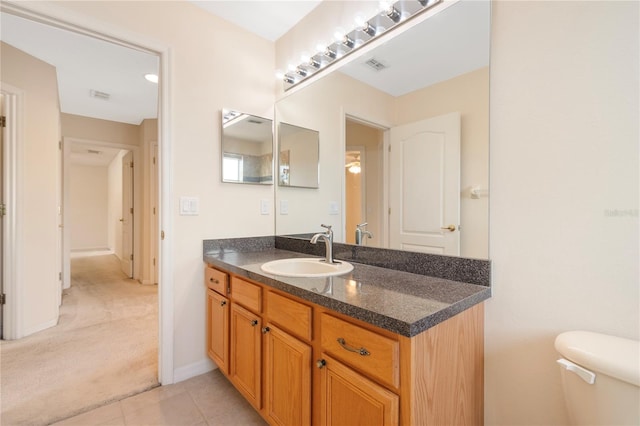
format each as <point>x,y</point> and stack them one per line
<point>218,329</point>
<point>245,370</point>
<point>349,398</point>
<point>299,363</point>
<point>287,378</point>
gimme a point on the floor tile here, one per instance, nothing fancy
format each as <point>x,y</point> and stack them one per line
<point>178,409</point>
<point>107,414</point>
<point>159,394</point>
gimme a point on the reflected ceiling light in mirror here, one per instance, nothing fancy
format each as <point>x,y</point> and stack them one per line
<point>389,16</point>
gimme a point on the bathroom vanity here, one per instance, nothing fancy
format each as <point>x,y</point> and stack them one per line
<point>374,346</point>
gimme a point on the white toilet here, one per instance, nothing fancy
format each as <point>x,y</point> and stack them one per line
<point>601,378</point>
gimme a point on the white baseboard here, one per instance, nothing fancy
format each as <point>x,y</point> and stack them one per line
<point>195,369</point>
<point>90,252</point>
<point>39,327</point>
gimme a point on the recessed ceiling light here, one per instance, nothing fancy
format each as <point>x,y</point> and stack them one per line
<point>152,78</point>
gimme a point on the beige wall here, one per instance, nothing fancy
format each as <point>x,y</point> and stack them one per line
<point>38,186</point>
<point>467,94</point>
<point>89,204</point>
<point>94,129</point>
<point>564,155</point>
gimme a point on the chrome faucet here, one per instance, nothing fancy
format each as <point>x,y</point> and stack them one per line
<point>328,243</point>
<point>360,232</point>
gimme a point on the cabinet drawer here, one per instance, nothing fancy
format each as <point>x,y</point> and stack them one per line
<point>216,280</point>
<point>293,316</point>
<point>373,354</point>
<point>246,294</point>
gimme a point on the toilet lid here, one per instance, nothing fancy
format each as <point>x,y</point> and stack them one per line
<point>614,356</point>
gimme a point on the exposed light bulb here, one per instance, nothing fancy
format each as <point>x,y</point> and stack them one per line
<point>279,75</point>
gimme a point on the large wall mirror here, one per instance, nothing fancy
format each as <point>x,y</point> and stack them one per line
<point>247,148</point>
<point>405,140</point>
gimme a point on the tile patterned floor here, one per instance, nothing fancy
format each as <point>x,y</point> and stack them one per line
<point>208,399</point>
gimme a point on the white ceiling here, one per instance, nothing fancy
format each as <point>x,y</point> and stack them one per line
<point>84,64</point>
<point>268,18</point>
<point>448,44</point>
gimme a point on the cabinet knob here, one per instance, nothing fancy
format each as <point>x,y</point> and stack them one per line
<point>223,302</point>
<point>265,330</point>
<point>254,322</point>
<point>213,280</point>
<point>321,363</point>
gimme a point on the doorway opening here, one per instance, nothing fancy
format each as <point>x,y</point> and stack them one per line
<point>164,369</point>
<point>365,194</point>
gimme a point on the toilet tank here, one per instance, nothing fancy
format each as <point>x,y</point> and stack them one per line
<point>600,377</point>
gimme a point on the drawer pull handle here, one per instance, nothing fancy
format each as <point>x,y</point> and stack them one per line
<point>361,351</point>
<point>223,302</point>
<point>213,280</point>
<point>265,330</point>
<point>321,363</point>
<point>254,323</point>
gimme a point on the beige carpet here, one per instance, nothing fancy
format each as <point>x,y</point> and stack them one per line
<point>103,349</point>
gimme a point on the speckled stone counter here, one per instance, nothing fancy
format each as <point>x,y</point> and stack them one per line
<point>403,302</point>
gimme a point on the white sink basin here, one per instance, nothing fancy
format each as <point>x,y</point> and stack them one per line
<point>305,267</point>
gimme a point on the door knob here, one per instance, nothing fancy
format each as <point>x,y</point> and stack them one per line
<point>451,228</point>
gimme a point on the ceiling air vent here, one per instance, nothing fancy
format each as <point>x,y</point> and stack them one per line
<point>376,64</point>
<point>254,121</point>
<point>100,95</point>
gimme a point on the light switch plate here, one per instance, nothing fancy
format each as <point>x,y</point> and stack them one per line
<point>333,208</point>
<point>265,207</point>
<point>189,206</point>
<point>284,207</point>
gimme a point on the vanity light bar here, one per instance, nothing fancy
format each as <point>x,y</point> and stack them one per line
<point>389,17</point>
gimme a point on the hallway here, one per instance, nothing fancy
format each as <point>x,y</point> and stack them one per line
<point>104,348</point>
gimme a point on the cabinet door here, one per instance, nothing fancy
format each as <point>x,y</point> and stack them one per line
<point>218,330</point>
<point>246,353</point>
<point>288,378</point>
<point>349,399</point>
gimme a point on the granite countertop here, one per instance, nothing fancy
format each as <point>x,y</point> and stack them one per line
<point>402,302</point>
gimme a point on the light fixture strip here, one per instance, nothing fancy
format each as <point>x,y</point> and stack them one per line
<point>395,15</point>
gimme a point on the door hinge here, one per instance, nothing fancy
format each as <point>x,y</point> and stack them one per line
<point>131,164</point>
<point>389,210</point>
<point>162,235</point>
<point>154,160</point>
<point>154,261</point>
<point>2,299</point>
<point>3,121</point>
<point>3,210</point>
<point>154,210</point>
<point>131,256</point>
<point>131,210</point>
<point>59,276</point>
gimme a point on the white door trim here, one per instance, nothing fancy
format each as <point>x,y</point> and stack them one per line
<point>12,168</point>
<point>54,14</point>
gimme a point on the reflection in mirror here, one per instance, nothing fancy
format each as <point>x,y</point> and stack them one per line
<point>298,156</point>
<point>430,85</point>
<point>247,148</point>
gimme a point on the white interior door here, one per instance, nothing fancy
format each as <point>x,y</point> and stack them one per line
<point>127,215</point>
<point>424,186</point>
